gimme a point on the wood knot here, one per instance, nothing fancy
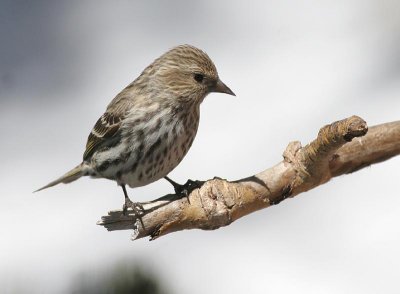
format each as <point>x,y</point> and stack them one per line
<point>356,127</point>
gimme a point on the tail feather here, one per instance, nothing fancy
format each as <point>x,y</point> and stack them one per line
<point>69,177</point>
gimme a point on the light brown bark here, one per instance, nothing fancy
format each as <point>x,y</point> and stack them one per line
<point>340,148</point>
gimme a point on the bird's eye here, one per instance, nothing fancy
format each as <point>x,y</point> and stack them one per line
<point>198,77</point>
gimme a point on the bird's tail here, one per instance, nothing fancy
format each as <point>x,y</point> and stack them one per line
<point>69,177</point>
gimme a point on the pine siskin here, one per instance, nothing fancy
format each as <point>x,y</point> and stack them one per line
<point>150,125</point>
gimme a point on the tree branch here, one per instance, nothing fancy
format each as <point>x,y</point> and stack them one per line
<point>219,202</point>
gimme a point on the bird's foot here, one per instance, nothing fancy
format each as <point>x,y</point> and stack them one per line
<point>185,189</point>
<point>136,207</point>
<point>188,187</point>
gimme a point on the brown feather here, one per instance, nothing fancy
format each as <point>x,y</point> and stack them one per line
<point>108,125</point>
<point>105,128</point>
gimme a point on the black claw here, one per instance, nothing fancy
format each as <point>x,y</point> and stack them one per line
<point>185,189</point>
<point>136,207</point>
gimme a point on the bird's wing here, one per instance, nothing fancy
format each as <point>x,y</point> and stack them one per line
<point>107,126</point>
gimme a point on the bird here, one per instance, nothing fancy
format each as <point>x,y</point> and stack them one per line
<point>148,128</point>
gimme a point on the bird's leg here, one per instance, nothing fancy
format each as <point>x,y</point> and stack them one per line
<point>129,203</point>
<point>185,189</point>
<point>177,187</point>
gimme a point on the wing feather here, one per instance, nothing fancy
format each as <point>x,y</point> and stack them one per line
<point>105,128</point>
<point>108,125</point>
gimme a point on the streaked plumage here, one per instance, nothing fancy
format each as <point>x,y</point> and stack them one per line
<point>150,125</point>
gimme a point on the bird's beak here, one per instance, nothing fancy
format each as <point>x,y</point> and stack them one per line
<point>220,87</point>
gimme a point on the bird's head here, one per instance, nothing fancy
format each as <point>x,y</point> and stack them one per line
<point>186,73</point>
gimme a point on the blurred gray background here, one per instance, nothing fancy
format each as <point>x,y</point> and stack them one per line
<point>294,65</point>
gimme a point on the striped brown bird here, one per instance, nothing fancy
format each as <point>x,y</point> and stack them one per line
<point>150,125</point>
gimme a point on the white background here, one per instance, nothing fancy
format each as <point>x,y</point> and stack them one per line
<point>294,66</point>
